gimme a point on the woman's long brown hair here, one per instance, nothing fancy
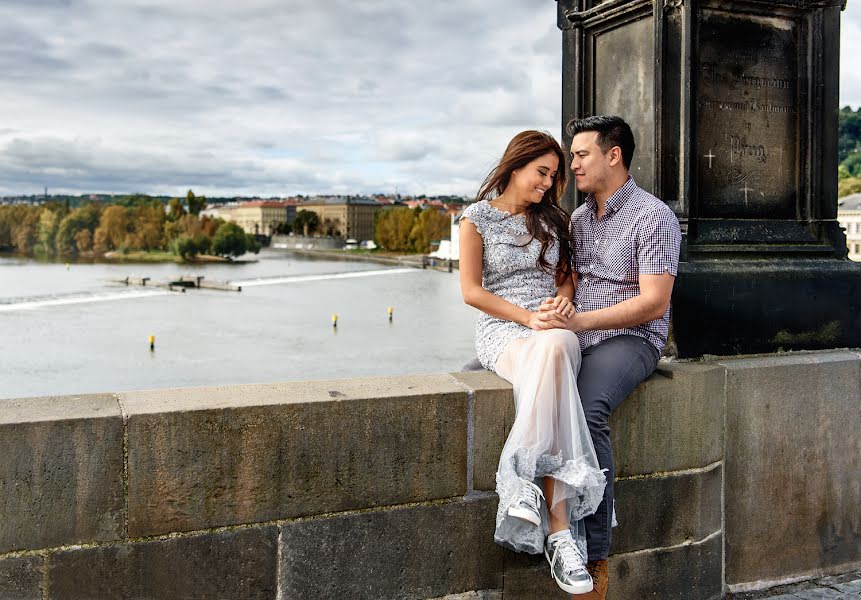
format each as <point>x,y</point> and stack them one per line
<point>546,220</point>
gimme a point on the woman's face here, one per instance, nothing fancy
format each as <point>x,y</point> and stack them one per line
<point>535,178</point>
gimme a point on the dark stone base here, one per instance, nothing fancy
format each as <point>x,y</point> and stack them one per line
<point>226,564</point>
<point>727,306</point>
<point>406,553</point>
<point>21,578</point>
<point>687,572</point>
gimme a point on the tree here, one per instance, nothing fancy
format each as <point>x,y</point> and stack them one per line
<point>850,185</point>
<point>849,132</point>
<point>184,247</point>
<point>430,225</point>
<point>49,222</point>
<point>393,227</point>
<point>85,218</point>
<point>195,204</point>
<point>112,230</point>
<point>84,240</point>
<point>146,227</point>
<point>852,164</point>
<point>306,221</point>
<point>230,240</point>
<point>176,209</point>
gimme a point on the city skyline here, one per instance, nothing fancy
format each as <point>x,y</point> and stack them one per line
<point>274,98</point>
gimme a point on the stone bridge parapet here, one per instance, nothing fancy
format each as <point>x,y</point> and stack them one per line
<point>731,475</point>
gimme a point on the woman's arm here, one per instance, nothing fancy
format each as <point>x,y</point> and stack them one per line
<point>471,256</point>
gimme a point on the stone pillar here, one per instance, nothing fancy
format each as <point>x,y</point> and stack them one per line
<point>734,108</point>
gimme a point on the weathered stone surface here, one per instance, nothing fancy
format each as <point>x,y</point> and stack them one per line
<point>479,595</point>
<point>226,564</point>
<point>670,424</point>
<point>494,415</point>
<point>688,572</point>
<point>21,578</point>
<point>792,462</point>
<point>528,578</point>
<point>61,473</point>
<point>206,457</point>
<point>405,553</point>
<point>678,573</point>
<point>662,511</point>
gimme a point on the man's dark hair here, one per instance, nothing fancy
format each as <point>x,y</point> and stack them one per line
<point>612,131</point>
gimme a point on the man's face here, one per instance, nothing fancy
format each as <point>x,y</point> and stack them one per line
<point>589,164</point>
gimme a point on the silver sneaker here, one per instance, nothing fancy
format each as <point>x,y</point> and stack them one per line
<point>525,505</point>
<point>567,565</point>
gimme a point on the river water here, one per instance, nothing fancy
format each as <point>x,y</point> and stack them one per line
<point>73,330</point>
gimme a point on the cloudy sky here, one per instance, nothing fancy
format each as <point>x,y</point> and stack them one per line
<point>279,97</point>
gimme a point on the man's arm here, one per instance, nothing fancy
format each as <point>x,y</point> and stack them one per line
<point>651,304</point>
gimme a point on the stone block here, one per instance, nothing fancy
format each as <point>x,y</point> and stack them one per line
<point>686,572</point>
<point>479,595</point>
<point>672,421</point>
<point>663,511</point>
<point>206,457</point>
<point>676,573</point>
<point>493,408</point>
<point>793,456</point>
<point>225,564</point>
<point>406,553</point>
<point>61,473</point>
<point>21,578</point>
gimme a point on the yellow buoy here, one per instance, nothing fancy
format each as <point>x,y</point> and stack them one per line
<point>391,312</point>
<point>152,343</point>
<point>334,320</point>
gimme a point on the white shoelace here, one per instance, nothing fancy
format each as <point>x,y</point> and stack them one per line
<point>567,551</point>
<point>529,493</point>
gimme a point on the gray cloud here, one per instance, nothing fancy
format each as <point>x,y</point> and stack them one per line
<point>276,96</point>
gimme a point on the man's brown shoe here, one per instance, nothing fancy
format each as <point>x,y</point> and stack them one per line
<point>600,580</point>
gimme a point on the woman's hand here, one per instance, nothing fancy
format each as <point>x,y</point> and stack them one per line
<point>541,320</point>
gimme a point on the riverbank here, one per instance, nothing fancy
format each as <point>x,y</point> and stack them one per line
<point>155,256</point>
<point>114,257</point>
<point>419,261</point>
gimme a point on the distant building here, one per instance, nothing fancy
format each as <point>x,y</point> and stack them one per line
<point>261,217</point>
<point>849,216</point>
<point>348,217</point>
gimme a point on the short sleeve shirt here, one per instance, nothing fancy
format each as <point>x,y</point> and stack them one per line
<point>638,235</point>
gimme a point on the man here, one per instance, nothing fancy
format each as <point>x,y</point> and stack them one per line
<point>626,253</point>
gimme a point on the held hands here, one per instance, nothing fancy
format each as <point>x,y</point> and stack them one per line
<point>554,313</point>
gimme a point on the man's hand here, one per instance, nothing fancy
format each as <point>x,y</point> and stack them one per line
<point>560,304</point>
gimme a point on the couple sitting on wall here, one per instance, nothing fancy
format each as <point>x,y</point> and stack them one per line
<point>575,313</point>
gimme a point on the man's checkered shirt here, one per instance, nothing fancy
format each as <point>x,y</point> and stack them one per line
<point>638,235</point>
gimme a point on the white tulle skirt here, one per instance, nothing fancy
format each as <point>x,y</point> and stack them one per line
<point>549,438</point>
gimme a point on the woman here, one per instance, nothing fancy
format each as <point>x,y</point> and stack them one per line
<point>515,253</point>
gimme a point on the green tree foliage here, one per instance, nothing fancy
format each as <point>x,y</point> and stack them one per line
<point>850,185</point>
<point>184,246</point>
<point>176,210</point>
<point>230,240</point>
<point>849,152</point>
<point>194,204</point>
<point>849,132</point>
<point>393,227</point>
<point>85,218</point>
<point>307,222</point>
<point>49,222</point>
<point>430,225</point>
